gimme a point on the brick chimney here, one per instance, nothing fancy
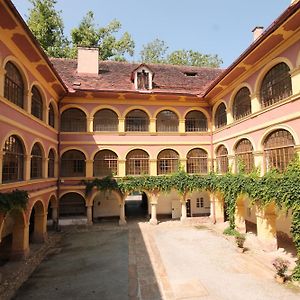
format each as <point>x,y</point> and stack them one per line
<point>88,60</point>
<point>257,31</point>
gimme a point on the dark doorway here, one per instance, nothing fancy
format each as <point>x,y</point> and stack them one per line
<point>188,208</point>
<point>136,206</point>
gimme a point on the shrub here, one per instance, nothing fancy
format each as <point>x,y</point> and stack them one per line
<point>240,240</point>
<point>281,265</point>
<point>230,231</point>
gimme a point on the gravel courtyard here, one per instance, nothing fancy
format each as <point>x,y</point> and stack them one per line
<point>142,261</point>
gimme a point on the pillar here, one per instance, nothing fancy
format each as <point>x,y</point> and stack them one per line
<point>231,163</point>
<point>229,116</point>
<point>45,168</point>
<point>1,165</point>
<point>121,167</point>
<point>20,242</point>
<point>27,101</point>
<point>240,215</point>
<point>297,150</point>
<point>183,211</point>
<point>55,216</point>
<point>27,167</point>
<point>255,104</point>
<point>122,125</point>
<point>2,75</point>
<point>152,126</point>
<point>295,77</point>
<point>266,227</point>
<point>183,162</point>
<point>122,220</point>
<point>40,228</point>
<point>218,206</point>
<point>181,128</point>
<point>259,161</point>
<point>89,172</point>
<point>89,214</point>
<point>152,167</point>
<point>90,124</point>
<point>153,202</point>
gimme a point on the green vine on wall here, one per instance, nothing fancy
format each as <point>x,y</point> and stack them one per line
<point>13,200</point>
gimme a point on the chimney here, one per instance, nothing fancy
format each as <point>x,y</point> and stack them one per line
<point>88,60</point>
<point>257,31</point>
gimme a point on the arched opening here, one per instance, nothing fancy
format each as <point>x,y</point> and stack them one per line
<point>195,121</point>
<point>73,164</point>
<point>14,85</point>
<point>105,163</point>
<point>244,159</point>
<point>241,104</point>
<point>36,166</point>
<point>222,160</point>
<point>37,223</point>
<point>279,150</point>
<point>106,206</point>
<point>106,120</point>
<point>72,206</point>
<point>51,164</point>
<point>137,120</point>
<point>136,206</point>
<point>13,160</point>
<point>73,120</point>
<point>36,103</point>
<point>167,162</point>
<point>197,161</point>
<point>276,85</point>
<point>167,121</point>
<point>221,116</point>
<point>137,162</point>
<point>52,214</point>
<point>14,238</point>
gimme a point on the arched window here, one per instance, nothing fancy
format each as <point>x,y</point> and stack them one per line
<point>137,162</point>
<point>13,85</point>
<point>278,150</point>
<point>36,103</point>
<point>244,155</point>
<point>222,160</point>
<point>51,163</point>
<point>167,162</point>
<point>221,116</point>
<point>106,120</point>
<point>242,104</point>
<point>51,116</point>
<point>195,121</point>
<point>36,162</point>
<point>197,161</point>
<point>167,121</point>
<point>137,120</point>
<point>72,204</point>
<point>73,164</point>
<point>13,160</point>
<point>276,85</point>
<point>73,120</point>
<point>105,163</point>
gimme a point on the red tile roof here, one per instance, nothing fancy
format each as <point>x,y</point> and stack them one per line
<point>116,76</point>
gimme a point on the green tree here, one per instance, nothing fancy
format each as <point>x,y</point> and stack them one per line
<point>47,25</point>
<point>154,52</point>
<point>88,34</point>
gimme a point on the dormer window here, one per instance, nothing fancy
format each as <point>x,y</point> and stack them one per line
<point>142,78</point>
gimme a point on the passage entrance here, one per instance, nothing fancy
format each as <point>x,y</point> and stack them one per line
<point>136,205</point>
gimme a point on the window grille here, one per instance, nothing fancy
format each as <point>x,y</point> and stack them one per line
<point>221,116</point>
<point>278,150</point>
<point>222,160</point>
<point>73,164</point>
<point>36,103</point>
<point>276,85</point>
<point>51,118</point>
<point>72,204</point>
<point>197,161</point>
<point>242,104</point>
<point>13,85</point>
<point>105,163</point>
<point>51,164</point>
<point>106,120</point>
<point>244,155</point>
<point>137,162</point>
<point>195,121</point>
<point>167,162</point>
<point>36,162</point>
<point>136,120</point>
<point>73,120</point>
<point>167,121</point>
<point>13,160</point>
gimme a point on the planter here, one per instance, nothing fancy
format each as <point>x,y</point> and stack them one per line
<point>240,249</point>
<point>280,278</point>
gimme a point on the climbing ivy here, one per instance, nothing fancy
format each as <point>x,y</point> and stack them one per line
<point>13,200</point>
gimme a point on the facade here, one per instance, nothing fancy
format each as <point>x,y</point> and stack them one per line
<point>63,121</point>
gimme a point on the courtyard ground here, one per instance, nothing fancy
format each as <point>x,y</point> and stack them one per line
<point>142,261</point>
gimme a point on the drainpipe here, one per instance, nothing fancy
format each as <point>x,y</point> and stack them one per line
<point>212,165</point>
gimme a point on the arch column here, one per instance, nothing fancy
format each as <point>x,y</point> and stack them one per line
<point>183,162</point>
<point>152,167</point>
<point>183,208</point>
<point>45,167</point>
<point>27,103</point>
<point>27,166</point>
<point>54,216</point>
<point>1,165</point>
<point>266,227</point>
<point>255,104</point>
<point>20,242</point>
<point>295,77</point>
<point>259,161</point>
<point>231,163</point>
<point>181,127</point>
<point>121,125</point>
<point>229,116</point>
<point>240,215</point>
<point>217,207</point>
<point>122,167</point>
<point>2,75</point>
<point>297,150</point>
<point>40,228</point>
<point>122,220</point>
<point>152,126</point>
<point>89,214</point>
<point>153,202</point>
<point>89,168</point>
<point>90,124</point>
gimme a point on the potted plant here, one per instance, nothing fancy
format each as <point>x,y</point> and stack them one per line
<point>240,240</point>
<point>281,265</point>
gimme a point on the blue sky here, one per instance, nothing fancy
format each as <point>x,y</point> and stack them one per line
<point>212,27</point>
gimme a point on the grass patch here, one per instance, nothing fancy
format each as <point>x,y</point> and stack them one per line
<point>231,231</point>
<point>201,227</point>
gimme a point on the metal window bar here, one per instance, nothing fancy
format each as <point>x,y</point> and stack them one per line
<point>36,163</point>
<point>197,162</point>
<point>51,164</point>
<point>244,155</point>
<point>242,104</point>
<point>106,120</point>
<point>167,121</point>
<point>72,204</point>
<point>221,116</point>
<point>167,162</point>
<point>195,121</point>
<point>137,163</point>
<point>36,104</point>
<point>105,164</point>
<point>222,160</point>
<point>51,118</point>
<point>73,120</point>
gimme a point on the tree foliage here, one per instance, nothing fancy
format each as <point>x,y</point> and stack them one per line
<point>154,52</point>
<point>46,24</point>
<point>14,200</point>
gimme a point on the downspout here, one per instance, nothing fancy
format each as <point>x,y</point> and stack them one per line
<point>212,166</point>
